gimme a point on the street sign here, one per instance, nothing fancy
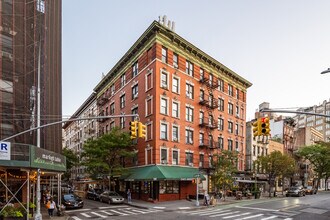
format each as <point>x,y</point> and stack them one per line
<point>5,149</point>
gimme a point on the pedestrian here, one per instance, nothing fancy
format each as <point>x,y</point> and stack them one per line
<point>51,205</point>
<point>206,199</point>
<point>129,196</point>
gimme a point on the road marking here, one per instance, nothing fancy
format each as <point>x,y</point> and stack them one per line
<point>113,207</point>
<point>129,212</point>
<point>159,207</point>
<point>95,213</point>
<point>108,213</point>
<point>86,215</point>
<point>261,209</point>
<point>119,213</point>
<point>75,217</point>
<point>252,216</point>
<point>233,216</point>
<point>184,208</point>
<point>271,217</point>
<point>140,211</point>
<point>214,212</point>
<point>227,213</point>
<point>288,219</point>
<point>76,210</point>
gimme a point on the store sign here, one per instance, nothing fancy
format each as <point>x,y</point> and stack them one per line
<point>45,159</point>
<point>5,150</point>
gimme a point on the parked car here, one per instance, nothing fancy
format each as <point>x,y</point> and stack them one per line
<point>310,190</point>
<point>71,201</point>
<point>94,194</point>
<point>111,197</point>
<point>296,191</point>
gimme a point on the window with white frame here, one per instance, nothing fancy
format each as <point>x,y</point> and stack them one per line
<point>201,117</point>
<point>201,138</point>
<point>135,69</point>
<point>135,91</point>
<point>236,129</point>
<point>221,85</point>
<point>189,68</point>
<point>163,131</point>
<point>149,106</point>
<point>201,73</point>
<point>134,112</point>
<point>189,136</point>
<point>175,60</point>
<point>237,111</point>
<point>164,55</point>
<point>149,80</point>
<point>164,80</point>
<point>122,122</point>
<point>237,93</point>
<point>122,101</point>
<point>230,90</point>
<point>112,89</point>
<point>189,114</point>
<point>201,160</point>
<point>175,157</point>
<point>189,91</point>
<point>220,142</point>
<point>230,108</point>
<point>176,85</point>
<point>163,155</point>
<point>220,124</point>
<point>201,95</point>
<point>221,104</point>
<point>122,80</point>
<point>164,106</point>
<point>175,133</point>
<point>175,109</point>
<point>230,144</point>
<point>189,159</point>
<point>230,127</point>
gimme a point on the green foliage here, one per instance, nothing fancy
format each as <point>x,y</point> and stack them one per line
<point>71,161</point>
<point>11,211</point>
<point>103,156</point>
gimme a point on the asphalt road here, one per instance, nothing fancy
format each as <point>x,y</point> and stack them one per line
<point>316,207</point>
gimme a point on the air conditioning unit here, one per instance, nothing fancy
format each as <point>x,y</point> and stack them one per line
<point>164,161</point>
<point>237,115</point>
<point>164,86</point>
<point>191,164</point>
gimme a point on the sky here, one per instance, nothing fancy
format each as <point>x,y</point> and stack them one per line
<point>280,46</point>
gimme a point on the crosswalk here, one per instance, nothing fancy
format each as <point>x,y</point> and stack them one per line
<point>106,212</point>
<point>240,214</point>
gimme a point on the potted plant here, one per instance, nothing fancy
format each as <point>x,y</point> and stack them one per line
<point>10,212</point>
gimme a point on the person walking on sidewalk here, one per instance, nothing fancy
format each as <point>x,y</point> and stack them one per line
<point>129,196</point>
<point>51,205</point>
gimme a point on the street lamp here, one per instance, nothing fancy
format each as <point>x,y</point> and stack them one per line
<point>326,71</point>
<point>197,176</point>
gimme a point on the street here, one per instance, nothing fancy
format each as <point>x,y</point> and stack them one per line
<point>288,208</point>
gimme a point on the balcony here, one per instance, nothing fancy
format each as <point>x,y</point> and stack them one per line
<point>210,84</point>
<point>208,102</point>
<point>101,101</point>
<point>207,143</point>
<point>207,123</point>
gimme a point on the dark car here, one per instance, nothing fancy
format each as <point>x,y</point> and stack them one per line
<point>296,191</point>
<point>310,190</point>
<point>111,197</point>
<point>71,201</point>
<point>94,194</point>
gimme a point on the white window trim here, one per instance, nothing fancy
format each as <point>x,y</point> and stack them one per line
<point>167,100</point>
<point>146,155</point>
<point>160,130</point>
<point>179,82</point>
<point>149,72</point>
<point>177,102</point>
<point>167,154</point>
<point>178,126</point>
<point>178,150</point>
<point>162,71</point>
<point>146,106</point>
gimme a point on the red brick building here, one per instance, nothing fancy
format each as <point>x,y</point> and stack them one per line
<point>191,104</point>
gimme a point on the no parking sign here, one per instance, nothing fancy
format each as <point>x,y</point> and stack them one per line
<point>4,150</point>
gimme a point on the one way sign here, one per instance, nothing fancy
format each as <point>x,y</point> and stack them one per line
<point>5,150</point>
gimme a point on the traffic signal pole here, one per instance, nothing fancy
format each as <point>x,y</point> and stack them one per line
<point>294,112</point>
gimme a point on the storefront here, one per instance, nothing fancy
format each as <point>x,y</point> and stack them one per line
<point>160,183</point>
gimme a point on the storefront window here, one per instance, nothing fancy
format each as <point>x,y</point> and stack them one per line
<point>169,187</point>
<point>145,187</point>
<point>135,187</point>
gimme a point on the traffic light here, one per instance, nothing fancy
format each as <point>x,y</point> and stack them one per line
<point>265,130</point>
<point>141,130</point>
<point>133,129</point>
<point>256,128</point>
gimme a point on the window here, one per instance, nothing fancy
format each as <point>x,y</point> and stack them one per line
<point>237,147</point>
<point>169,187</point>
<point>220,142</point>
<point>237,111</point>
<point>122,101</point>
<point>175,61</point>
<point>236,129</point>
<point>221,105</point>
<point>149,106</point>
<point>189,114</point>
<point>230,145</point>
<point>201,160</point>
<point>201,95</point>
<point>164,80</point>
<point>230,108</point>
<point>189,136</point>
<point>211,80</point>
<point>175,157</point>
<point>135,91</point>
<point>163,131</point>
<point>135,69</point>
<point>134,111</point>
<point>163,106</point>
<point>163,155</point>
<point>237,93</point>
<point>107,111</point>
<point>254,150</point>
<point>230,127</point>
<point>230,90</point>
<point>189,68</point>
<point>175,109</point>
<point>175,133</point>
<point>122,122</point>
<point>148,80</point>
<point>112,125</point>
<point>164,55</point>
<point>201,73</point>
<point>112,89</point>
<point>201,117</point>
<point>149,132</point>
<point>123,80</point>
<point>189,91</point>
<point>175,85</point>
<point>189,159</point>
<point>220,124</point>
<point>220,85</point>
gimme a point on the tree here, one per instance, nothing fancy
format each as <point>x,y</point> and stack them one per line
<point>72,160</point>
<point>104,156</point>
<point>275,165</point>
<point>225,167</point>
<point>319,156</point>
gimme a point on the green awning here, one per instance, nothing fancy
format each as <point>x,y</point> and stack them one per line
<point>159,172</point>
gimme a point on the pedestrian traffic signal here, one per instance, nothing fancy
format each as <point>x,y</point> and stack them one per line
<point>256,128</point>
<point>133,129</point>
<point>141,130</point>
<point>265,130</point>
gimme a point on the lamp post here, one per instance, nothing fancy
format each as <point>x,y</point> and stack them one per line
<point>197,177</point>
<point>326,71</point>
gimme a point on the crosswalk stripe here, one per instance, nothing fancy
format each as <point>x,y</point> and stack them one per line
<point>108,213</point>
<point>198,211</point>
<point>233,216</point>
<point>252,216</point>
<point>227,213</point>
<point>214,212</point>
<point>144,212</point>
<point>86,215</point>
<point>113,207</point>
<point>119,213</point>
<point>75,217</point>
<point>270,217</point>
<point>128,212</point>
<point>95,213</point>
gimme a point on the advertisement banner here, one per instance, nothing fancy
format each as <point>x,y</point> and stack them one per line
<point>5,148</point>
<point>49,160</point>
